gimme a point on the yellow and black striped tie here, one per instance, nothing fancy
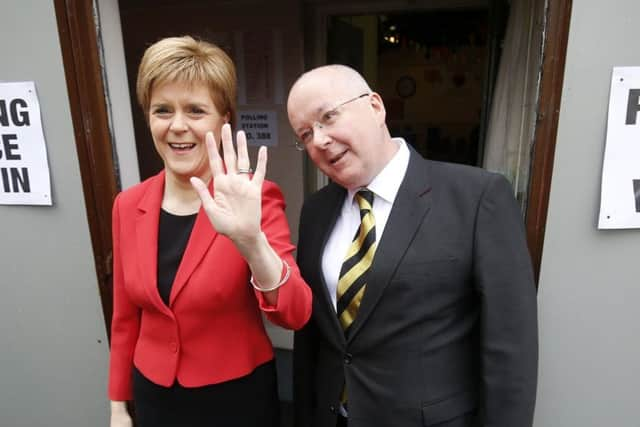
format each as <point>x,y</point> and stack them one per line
<point>353,274</point>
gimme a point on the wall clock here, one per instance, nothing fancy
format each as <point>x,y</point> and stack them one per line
<point>406,87</point>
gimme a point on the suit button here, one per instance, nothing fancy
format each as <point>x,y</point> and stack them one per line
<point>173,346</point>
<point>332,409</point>
<point>348,358</point>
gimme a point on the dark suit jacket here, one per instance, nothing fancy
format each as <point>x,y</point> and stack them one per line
<point>446,333</point>
<point>212,330</point>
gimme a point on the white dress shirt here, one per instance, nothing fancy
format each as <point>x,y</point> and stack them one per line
<point>385,188</point>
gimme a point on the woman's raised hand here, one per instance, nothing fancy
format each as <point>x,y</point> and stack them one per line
<point>235,208</point>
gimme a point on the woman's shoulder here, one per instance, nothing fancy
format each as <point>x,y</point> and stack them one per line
<point>133,194</point>
<point>271,189</point>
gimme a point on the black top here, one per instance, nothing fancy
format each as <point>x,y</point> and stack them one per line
<point>173,235</point>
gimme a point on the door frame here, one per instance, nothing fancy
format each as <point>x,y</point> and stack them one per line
<point>87,100</point>
<point>85,86</point>
<point>558,17</point>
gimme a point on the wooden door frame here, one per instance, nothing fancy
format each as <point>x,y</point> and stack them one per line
<point>85,86</point>
<point>558,18</point>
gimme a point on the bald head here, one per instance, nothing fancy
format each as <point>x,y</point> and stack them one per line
<point>337,77</point>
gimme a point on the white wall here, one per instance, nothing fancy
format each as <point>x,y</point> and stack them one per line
<point>53,356</point>
<point>589,288</point>
<point>117,92</point>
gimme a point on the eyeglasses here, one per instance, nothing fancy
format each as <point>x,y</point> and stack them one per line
<point>326,121</point>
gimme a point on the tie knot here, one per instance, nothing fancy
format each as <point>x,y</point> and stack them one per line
<point>365,199</point>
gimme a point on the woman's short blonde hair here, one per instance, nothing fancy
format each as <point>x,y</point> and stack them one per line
<point>184,59</point>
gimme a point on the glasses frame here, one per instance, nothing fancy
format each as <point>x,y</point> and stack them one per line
<point>301,146</point>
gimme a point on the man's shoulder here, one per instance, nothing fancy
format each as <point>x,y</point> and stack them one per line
<point>456,174</point>
<point>322,202</point>
<point>456,180</point>
<point>457,171</point>
<point>329,192</point>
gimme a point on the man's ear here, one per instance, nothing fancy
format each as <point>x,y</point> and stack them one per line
<point>375,100</point>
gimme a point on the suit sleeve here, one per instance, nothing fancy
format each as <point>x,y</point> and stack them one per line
<point>504,280</point>
<point>304,362</point>
<point>293,307</point>
<point>125,324</point>
<point>305,351</point>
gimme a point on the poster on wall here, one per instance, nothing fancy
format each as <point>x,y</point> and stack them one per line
<point>260,126</point>
<point>620,192</point>
<point>24,167</point>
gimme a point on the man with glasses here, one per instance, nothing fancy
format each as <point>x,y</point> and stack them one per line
<point>424,310</point>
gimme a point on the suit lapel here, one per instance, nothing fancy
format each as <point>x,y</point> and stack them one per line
<point>201,238</point>
<point>147,238</point>
<point>410,208</point>
<point>331,207</point>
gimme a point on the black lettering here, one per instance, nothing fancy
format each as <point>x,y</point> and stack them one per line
<point>19,117</point>
<point>5,180</point>
<point>255,125</point>
<point>22,180</point>
<point>633,106</point>
<point>636,192</point>
<point>4,118</point>
<point>9,147</point>
<point>15,180</point>
<point>249,135</point>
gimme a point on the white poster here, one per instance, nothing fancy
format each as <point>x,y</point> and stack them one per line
<point>620,193</point>
<point>24,168</point>
<point>261,127</point>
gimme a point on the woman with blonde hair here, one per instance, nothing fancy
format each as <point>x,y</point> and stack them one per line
<point>201,250</point>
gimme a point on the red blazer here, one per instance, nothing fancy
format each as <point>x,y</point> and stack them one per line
<point>212,330</point>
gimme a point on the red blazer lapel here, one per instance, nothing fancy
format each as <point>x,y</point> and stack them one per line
<point>201,238</point>
<point>147,238</point>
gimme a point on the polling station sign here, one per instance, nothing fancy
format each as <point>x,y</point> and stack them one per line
<point>24,168</point>
<point>260,127</point>
<point>620,191</point>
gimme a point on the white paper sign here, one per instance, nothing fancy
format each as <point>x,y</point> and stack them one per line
<point>261,127</point>
<point>24,169</point>
<point>620,194</point>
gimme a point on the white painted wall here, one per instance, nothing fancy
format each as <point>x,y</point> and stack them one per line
<point>53,357</point>
<point>589,288</point>
<point>117,92</point>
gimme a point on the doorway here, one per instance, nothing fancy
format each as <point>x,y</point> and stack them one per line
<point>430,67</point>
<point>556,26</point>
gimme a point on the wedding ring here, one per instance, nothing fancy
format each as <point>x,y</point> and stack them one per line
<point>244,170</point>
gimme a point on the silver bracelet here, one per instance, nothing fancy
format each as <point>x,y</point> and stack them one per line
<point>287,274</point>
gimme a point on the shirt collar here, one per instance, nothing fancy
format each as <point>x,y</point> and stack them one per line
<point>386,184</point>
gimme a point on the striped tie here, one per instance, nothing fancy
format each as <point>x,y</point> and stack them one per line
<point>353,274</point>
